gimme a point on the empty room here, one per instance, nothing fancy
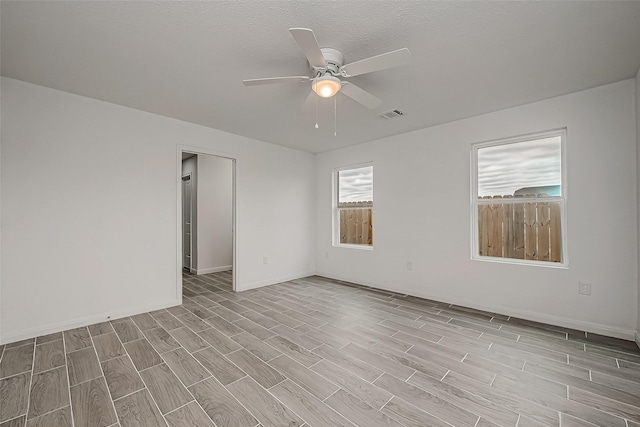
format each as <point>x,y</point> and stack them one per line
<point>318,214</point>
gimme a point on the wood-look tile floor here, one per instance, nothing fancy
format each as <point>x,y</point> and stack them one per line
<point>317,352</point>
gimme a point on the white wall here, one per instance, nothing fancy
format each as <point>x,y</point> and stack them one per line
<point>215,202</point>
<point>638,178</point>
<point>190,166</point>
<point>89,209</point>
<point>422,215</point>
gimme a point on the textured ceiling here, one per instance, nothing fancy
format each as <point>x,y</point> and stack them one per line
<point>187,60</point>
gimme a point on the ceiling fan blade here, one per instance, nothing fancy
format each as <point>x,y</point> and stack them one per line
<point>272,80</point>
<point>377,63</point>
<point>360,95</point>
<point>309,46</point>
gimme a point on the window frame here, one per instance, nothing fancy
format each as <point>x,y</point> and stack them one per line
<point>336,209</point>
<point>475,202</point>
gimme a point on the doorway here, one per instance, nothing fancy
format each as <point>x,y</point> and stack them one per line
<point>187,242</point>
<point>206,216</point>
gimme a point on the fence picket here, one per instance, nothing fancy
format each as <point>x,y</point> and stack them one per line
<point>518,227</point>
<point>483,226</point>
<point>495,243</point>
<point>543,231</point>
<point>555,235</point>
<point>530,232</point>
<point>352,224</point>
<point>504,225</point>
<point>508,237</point>
<point>343,226</point>
<point>370,228</point>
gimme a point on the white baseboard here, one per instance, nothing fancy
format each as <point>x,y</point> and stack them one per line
<point>253,285</point>
<point>638,338</point>
<point>84,321</point>
<point>625,334</point>
<point>214,269</point>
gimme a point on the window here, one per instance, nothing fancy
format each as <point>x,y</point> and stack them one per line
<point>353,220</point>
<point>518,200</point>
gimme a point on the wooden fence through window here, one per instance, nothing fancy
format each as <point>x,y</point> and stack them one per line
<point>356,223</point>
<point>520,230</point>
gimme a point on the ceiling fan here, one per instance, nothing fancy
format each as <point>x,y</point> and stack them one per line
<point>328,68</point>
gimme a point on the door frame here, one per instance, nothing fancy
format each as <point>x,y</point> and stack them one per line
<point>235,158</point>
<point>189,175</point>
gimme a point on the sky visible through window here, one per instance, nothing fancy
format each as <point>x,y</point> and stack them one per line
<point>504,169</point>
<point>355,185</point>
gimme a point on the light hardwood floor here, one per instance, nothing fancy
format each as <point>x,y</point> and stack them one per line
<point>318,352</point>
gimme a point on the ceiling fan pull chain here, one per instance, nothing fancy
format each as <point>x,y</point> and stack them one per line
<point>315,82</point>
<point>335,116</point>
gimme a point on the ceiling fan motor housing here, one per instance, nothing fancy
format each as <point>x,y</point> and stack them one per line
<point>334,59</point>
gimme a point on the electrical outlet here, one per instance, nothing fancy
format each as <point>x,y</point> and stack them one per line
<point>265,260</point>
<point>409,265</point>
<point>584,288</point>
<point>326,254</point>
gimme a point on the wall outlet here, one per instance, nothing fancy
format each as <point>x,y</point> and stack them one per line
<point>584,288</point>
<point>326,254</point>
<point>409,265</point>
<point>265,260</point>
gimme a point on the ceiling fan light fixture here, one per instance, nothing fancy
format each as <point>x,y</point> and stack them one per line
<point>326,86</point>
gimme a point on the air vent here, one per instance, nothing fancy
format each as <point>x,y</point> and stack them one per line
<point>391,114</point>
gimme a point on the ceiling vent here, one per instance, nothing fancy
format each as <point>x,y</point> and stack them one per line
<point>391,114</point>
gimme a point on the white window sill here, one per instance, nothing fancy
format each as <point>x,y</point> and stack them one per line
<point>347,246</point>
<point>527,262</point>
